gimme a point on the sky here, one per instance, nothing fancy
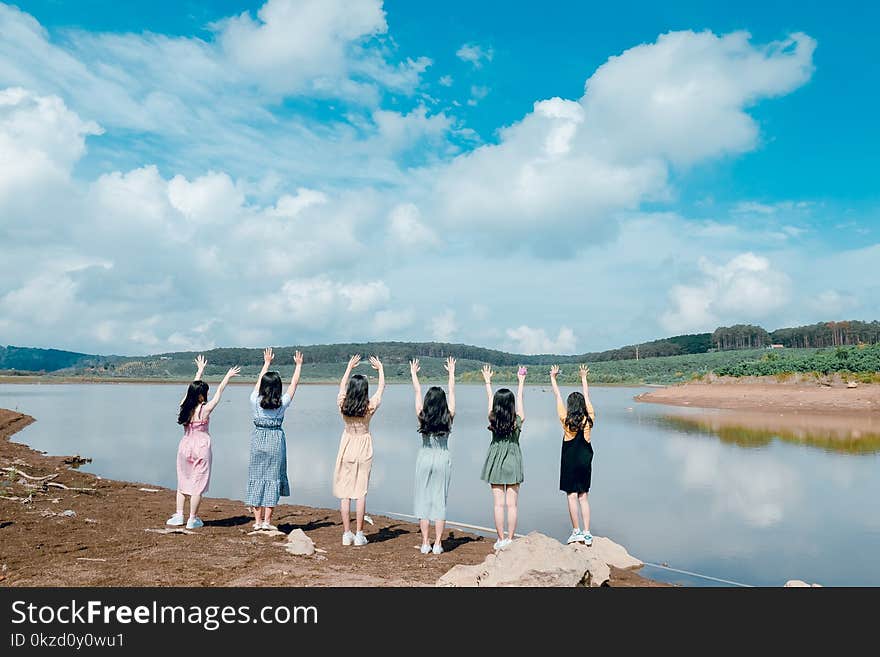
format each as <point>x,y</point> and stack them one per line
<point>179,175</point>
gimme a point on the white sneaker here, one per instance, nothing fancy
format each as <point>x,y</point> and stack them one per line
<point>576,537</point>
<point>347,538</point>
<point>258,526</point>
<point>498,544</point>
<point>505,543</point>
<point>587,537</point>
<point>194,523</point>
<point>438,549</point>
<point>425,549</point>
<point>269,528</point>
<point>360,539</point>
<point>176,520</point>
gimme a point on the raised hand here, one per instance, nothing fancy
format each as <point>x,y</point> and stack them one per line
<point>414,366</point>
<point>554,371</point>
<point>487,373</point>
<point>233,371</point>
<point>354,361</point>
<point>376,363</point>
<point>584,371</point>
<point>521,374</point>
<point>450,365</point>
<point>298,357</point>
<point>201,362</point>
<point>268,356</point>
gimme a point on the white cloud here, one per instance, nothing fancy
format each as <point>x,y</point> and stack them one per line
<point>311,303</point>
<point>445,80</point>
<point>746,288</point>
<point>528,340</point>
<point>405,227</point>
<point>478,93</point>
<point>833,304</point>
<point>475,54</point>
<point>443,327</point>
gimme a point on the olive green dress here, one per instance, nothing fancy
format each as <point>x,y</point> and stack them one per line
<point>504,461</point>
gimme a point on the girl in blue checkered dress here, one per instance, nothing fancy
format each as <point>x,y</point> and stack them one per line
<point>267,468</point>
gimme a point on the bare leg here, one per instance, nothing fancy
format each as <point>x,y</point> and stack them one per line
<point>498,498</point>
<point>360,511</point>
<point>258,515</point>
<point>573,510</point>
<point>345,510</point>
<point>181,499</point>
<point>268,514</point>
<point>583,498</point>
<point>512,495</point>
<point>425,526</point>
<point>194,501</point>
<point>439,526</point>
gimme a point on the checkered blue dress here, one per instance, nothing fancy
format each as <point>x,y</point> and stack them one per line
<point>267,467</point>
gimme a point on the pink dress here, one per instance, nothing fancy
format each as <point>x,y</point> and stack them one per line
<point>194,456</point>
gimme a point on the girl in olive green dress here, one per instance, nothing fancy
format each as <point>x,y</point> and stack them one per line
<point>503,469</point>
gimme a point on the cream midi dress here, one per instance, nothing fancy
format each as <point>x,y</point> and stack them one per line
<point>351,477</point>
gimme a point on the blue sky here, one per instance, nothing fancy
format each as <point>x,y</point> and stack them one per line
<point>188,175</point>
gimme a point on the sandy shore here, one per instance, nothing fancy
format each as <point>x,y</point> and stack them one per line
<point>764,396</point>
<point>106,543</point>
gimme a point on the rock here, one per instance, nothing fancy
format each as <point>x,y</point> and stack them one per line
<point>534,560</point>
<point>799,583</point>
<point>299,543</point>
<point>852,384</point>
<point>69,513</point>
<point>613,554</point>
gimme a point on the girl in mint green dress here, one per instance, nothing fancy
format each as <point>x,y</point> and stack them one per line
<point>503,468</point>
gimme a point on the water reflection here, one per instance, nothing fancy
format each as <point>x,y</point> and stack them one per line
<point>838,434</point>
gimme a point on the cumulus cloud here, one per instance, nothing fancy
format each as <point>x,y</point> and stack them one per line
<point>444,326</point>
<point>475,54</point>
<point>746,288</point>
<point>528,340</point>
<point>406,228</point>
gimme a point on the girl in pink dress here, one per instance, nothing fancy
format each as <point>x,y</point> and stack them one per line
<point>194,450</point>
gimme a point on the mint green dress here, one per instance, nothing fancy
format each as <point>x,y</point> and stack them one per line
<point>504,461</point>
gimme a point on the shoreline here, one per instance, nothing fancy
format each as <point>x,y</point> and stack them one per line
<point>72,380</point>
<point>111,537</point>
<point>765,395</point>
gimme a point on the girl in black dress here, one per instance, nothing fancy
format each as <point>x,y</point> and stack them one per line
<point>576,466</point>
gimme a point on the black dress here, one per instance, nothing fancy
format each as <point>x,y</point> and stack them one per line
<point>576,467</point>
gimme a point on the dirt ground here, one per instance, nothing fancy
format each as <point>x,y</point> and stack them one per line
<point>771,397</point>
<point>106,542</point>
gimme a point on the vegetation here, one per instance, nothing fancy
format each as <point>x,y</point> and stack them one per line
<point>729,351</point>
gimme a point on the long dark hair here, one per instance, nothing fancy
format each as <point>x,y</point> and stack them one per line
<point>576,414</point>
<point>195,395</point>
<point>502,417</point>
<point>357,396</point>
<point>270,390</point>
<point>435,416</point>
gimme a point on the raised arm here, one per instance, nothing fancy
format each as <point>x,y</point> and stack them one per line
<point>450,367</point>
<point>487,377</point>
<point>201,363</point>
<point>554,372</point>
<point>417,387</point>
<point>520,408</point>
<point>268,357</point>
<point>297,371</point>
<point>584,371</point>
<point>352,363</point>
<point>233,371</point>
<point>376,399</point>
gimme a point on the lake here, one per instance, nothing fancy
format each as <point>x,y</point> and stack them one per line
<point>670,485</point>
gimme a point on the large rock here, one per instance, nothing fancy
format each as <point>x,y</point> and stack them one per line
<point>299,543</point>
<point>613,554</point>
<point>538,560</point>
<point>799,583</point>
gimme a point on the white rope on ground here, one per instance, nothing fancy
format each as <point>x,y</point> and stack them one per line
<point>647,563</point>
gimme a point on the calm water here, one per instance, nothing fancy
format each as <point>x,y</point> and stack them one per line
<point>757,512</point>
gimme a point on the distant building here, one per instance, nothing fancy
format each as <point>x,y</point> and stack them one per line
<point>776,346</point>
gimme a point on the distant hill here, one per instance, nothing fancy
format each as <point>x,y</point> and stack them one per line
<point>323,362</point>
<point>43,360</point>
